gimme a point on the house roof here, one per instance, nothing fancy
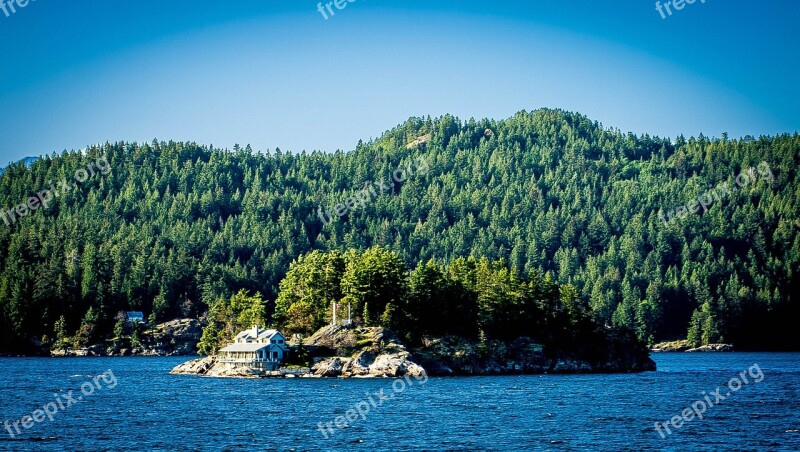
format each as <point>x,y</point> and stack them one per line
<point>256,333</point>
<point>244,347</point>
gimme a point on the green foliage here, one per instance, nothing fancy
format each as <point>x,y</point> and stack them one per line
<point>313,282</point>
<point>366,317</point>
<point>430,300</point>
<point>119,328</point>
<point>60,330</point>
<point>548,192</point>
<point>695,333</point>
<point>136,341</point>
<point>389,318</point>
<point>227,318</point>
<point>160,308</point>
<point>372,280</point>
<point>86,334</point>
<point>210,340</point>
<point>302,318</point>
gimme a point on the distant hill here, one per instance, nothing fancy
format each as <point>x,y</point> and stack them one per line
<point>27,161</point>
<point>175,227</point>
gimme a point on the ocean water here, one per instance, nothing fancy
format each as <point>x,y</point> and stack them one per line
<point>136,405</point>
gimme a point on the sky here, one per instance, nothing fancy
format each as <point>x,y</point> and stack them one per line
<point>275,73</point>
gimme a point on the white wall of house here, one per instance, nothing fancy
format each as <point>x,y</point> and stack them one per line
<point>269,356</point>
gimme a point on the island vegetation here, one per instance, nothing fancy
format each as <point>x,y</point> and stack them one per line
<point>484,312</point>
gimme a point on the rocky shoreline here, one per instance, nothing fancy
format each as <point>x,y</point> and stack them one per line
<point>374,352</point>
<point>211,367</point>
<point>334,351</point>
<point>683,346</point>
<point>175,338</point>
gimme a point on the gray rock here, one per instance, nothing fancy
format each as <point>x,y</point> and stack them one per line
<point>712,348</point>
<point>674,346</point>
<point>330,367</point>
<point>210,367</point>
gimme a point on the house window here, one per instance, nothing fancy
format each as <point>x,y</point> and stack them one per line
<point>280,341</point>
<point>272,341</point>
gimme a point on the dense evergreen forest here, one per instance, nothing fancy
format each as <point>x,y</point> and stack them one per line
<point>543,199</point>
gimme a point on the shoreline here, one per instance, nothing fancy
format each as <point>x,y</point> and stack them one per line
<point>682,346</point>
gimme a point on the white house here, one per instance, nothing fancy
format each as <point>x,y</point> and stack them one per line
<point>256,348</point>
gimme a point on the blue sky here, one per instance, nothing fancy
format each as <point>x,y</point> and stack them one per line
<point>275,73</point>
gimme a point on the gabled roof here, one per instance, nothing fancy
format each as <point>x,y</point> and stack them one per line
<point>256,333</point>
<point>252,348</point>
<point>133,316</point>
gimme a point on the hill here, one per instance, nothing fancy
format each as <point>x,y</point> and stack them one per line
<point>173,228</point>
<point>27,161</point>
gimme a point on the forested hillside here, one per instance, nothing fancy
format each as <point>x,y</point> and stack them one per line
<point>174,228</point>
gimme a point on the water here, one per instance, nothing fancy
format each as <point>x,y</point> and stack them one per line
<point>148,409</point>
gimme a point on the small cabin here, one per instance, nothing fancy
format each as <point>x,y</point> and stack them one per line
<point>256,348</point>
<point>134,317</point>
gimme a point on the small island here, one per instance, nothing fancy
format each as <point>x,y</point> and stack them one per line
<point>364,352</point>
<point>473,317</point>
<point>689,347</point>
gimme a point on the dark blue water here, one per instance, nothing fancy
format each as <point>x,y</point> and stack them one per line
<point>141,407</point>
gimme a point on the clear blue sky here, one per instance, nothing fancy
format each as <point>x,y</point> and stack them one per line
<point>275,73</point>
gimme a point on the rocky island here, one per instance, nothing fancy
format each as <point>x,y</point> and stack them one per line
<point>364,352</point>
<point>685,346</point>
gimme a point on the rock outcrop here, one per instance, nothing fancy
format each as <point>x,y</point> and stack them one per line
<point>674,346</point>
<point>174,338</point>
<point>196,367</point>
<point>360,352</point>
<point>211,367</point>
<point>329,367</point>
<point>457,356</point>
<point>712,348</point>
<point>684,346</point>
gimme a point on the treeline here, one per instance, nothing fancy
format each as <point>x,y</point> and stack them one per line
<point>471,298</point>
<point>176,228</point>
